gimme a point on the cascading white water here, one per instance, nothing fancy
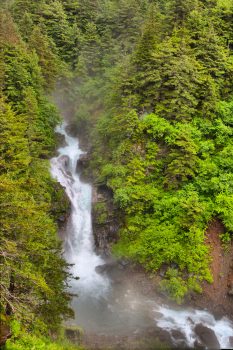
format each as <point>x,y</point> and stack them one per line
<point>186,320</point>
<point>120,309</point>
<point>79,245</point>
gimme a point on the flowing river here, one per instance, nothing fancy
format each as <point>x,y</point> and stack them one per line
<point>110,308</point>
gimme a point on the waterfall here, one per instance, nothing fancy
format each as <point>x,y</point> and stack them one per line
<point>119,308</point>
<point>78,243</point>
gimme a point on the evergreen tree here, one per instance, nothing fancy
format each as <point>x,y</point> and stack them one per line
<point>48,61</point>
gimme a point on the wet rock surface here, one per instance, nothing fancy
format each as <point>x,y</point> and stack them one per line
<point>207,336</point>
<point>82,164</point>
<point>65,161</point>
<point>231,341</point>
<point>106,223</point>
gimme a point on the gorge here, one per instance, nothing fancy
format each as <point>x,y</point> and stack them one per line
<point>116,174</point>
<point>106,305</point>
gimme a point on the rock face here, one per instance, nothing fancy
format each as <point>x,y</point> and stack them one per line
<point>5,333</point>
<point>106,223</point>
<point>207,336</point>
<point>74,334</point>
<point>65,161</point>
<point>230,291</point>
<point>231,342</point>
<point>217,297</point>
<point>82,165</point>
<point>61,207</point>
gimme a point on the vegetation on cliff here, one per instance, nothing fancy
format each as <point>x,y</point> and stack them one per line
<point>153,81</point>
<point>33,286</point>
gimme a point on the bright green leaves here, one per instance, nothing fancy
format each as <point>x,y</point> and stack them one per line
<point>171,172</point>
<point>224,207</point>
<point>174,285</point>
<point>21,340</point>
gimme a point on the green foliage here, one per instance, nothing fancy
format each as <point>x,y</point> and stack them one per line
<point>226,239</point>
<point>21,340</point>
<point>154,81</point>
<point>163,136</point>
<point>100,211</point>
<point>34,275</point>
<point>174,285</point>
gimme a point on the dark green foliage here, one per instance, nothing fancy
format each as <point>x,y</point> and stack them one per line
<point>154,81</point>
<point>163,140</point>
<point>33,272</point>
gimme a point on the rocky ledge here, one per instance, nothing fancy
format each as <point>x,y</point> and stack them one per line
<point>106,222</point>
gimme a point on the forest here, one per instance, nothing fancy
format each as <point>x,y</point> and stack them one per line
<point>151,82</point>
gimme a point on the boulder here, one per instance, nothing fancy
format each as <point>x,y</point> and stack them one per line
<point>106,268</point>
<point>231,342</point>
<point>82,162</point>
<point>101,268</point>
<point>177,335</point>
<point>65,161</point>
<point>219,312</point>
<point>165,337</point>
<point>72,129</point>
<point>198,345</point>
<point>207,336</point>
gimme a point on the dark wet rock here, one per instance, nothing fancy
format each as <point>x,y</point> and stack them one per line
<point>219,312</point>
<point>64,160</point>
<point>72,129</point>
<point>74,334</point>
<point>207,336</point>
<point>113,270</point>
<point>104,268</point>
<point>198,345</point>
<point>82,162</point>
<point>231,342</point>
<point>190,320</point>
<point>177,335</point>
<point>181,344</point>
<point>165,336</point>
<point>106,220</point>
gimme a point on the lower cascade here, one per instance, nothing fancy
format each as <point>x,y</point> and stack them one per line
<point>109,307</point>
<point>78,243</point>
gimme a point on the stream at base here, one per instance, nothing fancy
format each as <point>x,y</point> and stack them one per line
<point>109,306</point>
